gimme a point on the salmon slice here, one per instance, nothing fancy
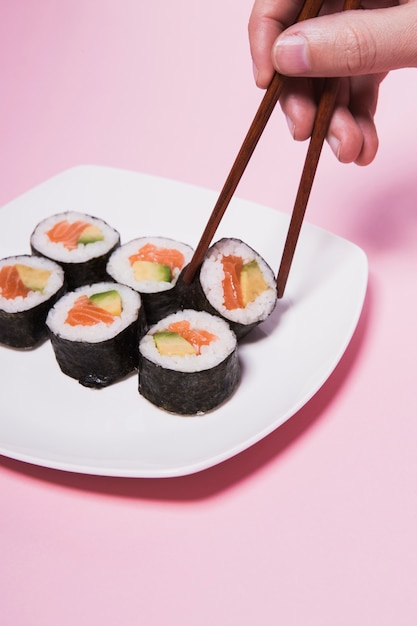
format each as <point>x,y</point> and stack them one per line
<point>167,256</point>
<point>11,285</point>
<point>196,336</point>
<point>232,291</point>
<point>67,233</point>
<point>86,313</point>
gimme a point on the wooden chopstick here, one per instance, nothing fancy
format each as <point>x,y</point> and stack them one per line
<point>321,126</point>
<point>310,9</point>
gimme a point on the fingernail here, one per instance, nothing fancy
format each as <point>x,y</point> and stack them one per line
<point>291,126</point>
<point>334,144</point>
<point>255,71</point>
<point>291,55</point>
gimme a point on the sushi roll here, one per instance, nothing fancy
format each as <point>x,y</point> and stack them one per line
<point>94,332</point>
<point>80,243</point>
<point>29,286</point>
<point>151,266</point>
<point>235,282</point>
<point>188,363</point>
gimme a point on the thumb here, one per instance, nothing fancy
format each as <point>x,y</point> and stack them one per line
<point>349,43</point>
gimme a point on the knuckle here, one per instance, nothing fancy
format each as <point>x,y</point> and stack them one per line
<point>359,50</point>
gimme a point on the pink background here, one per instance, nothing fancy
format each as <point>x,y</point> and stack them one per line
<point>316,524</point>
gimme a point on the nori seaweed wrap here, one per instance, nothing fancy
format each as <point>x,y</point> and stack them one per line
<point>80,243</point>
<point>94,332</point>
<point>188,363</point>
<point>151,266</point>
<point>233,282</point>
<point>29,287</point>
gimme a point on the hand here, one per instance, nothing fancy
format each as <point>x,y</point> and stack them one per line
<point>360,46</point>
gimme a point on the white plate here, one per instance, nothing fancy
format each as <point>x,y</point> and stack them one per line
<point>48,419</point>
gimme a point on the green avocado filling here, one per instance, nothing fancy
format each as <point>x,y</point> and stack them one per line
<point>172,344</point>
<point>110,301</point>
<point>149,270</point>
<point>33,278</point>
<point>90,234</point>
<point>252,282</point>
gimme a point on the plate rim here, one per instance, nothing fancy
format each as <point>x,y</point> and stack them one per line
<point>190,468</point>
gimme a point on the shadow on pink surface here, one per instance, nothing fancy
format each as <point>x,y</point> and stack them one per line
<point>209,482</point>
<point>387,219</point>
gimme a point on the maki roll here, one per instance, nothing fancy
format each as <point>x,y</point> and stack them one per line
<point>94,332</point>
<point>235,282</point>
<point>151,266</point>
<point>188,363</point>
<point>29,286</point>
<point>80,243</point>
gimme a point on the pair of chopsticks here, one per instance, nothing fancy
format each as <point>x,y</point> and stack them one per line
<point>325,108</point>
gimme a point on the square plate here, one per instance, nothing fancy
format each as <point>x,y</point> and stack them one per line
<point>48,419</point>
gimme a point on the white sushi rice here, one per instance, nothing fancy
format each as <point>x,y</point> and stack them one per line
<point>120,269</point>
<point>33,298</point>
<point>211,355</point>
<point>131,303</point>
<point>83,252</point>
<point>212,275</point>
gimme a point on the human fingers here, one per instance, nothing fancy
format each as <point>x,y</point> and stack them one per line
<point>298,103</point>
<point>363,99</point>
<point>352,134</point>
<point>266,22</point>
<point>349,43</point>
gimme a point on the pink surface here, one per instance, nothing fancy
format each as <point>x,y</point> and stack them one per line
<point>316,524</point>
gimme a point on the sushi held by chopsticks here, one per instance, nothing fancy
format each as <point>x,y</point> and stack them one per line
<point>235,283</point>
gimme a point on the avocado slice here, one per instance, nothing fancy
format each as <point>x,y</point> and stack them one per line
<point>32,277</point>
<point>90,234</point>
<point>252,282</point>
<point>110,301</point>
<point>148,270</point>
<point>172,344</point>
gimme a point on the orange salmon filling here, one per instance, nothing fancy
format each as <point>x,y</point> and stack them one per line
<point>166,256</point>
<point>86,313</point>
<point>66,233</point>
<point>11,285</point>
<point>196,337</point>
<point>232,291</point>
